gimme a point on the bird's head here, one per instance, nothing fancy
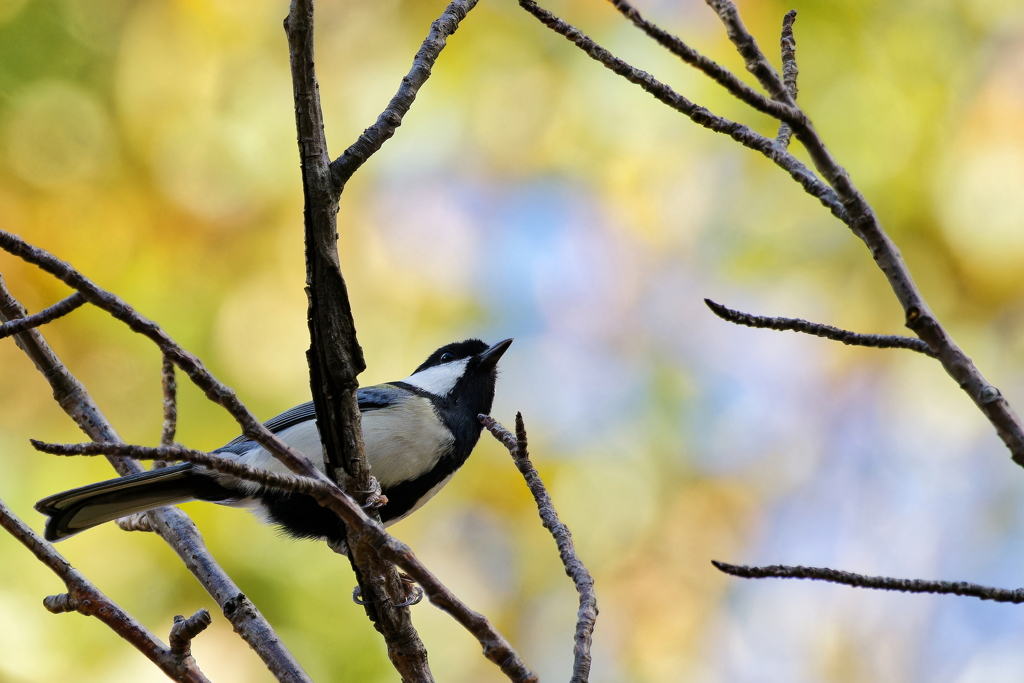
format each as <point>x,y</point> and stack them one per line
<point>463,372</point>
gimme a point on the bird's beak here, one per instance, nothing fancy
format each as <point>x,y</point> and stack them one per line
<point>489,358</point>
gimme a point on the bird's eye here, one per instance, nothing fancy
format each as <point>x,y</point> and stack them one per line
<point>445,357</point>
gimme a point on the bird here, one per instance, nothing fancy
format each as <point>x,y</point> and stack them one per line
<point>417,433</point>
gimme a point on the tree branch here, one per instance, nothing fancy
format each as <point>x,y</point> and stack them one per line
<point>58,310</point>
<point>374,137</point>
<point>83,597</point>
<point>173,525</point>
<point>170,387</point>
<point>699,115</point>
<point>184,630</point>
<point>335,358</point>
<point>574,567</point>
<point>790,70</point>
<point>709,67</point>
<point>884,583</point>
<point>220,463</point>
<point>865,224</point>
<point>877,341</point>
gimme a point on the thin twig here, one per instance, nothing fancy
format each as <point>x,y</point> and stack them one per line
<point>390,119</point>
<point>496,647</point>
<point>699,115</point>
<point>883,583</point>
<point>574,567</point>
<point>170,387</point>
<point>790,70</point>
<point>877,341</point>
<point>173,525</point>
<point>184,630</point>
<point>709,67</point>
<point>59,309</point>
<point>220,463</point>
<point>865,224</point>
<point>85,598</point>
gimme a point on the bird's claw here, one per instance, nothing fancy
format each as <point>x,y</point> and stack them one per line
<point>374,498</point>
<point>414,593</point>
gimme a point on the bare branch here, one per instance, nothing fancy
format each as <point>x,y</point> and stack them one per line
<point>138,521</point>
<point>699,115</point>
<point>220,463</point>
<point>184,630</point>
<point>173,525</point>
<point>789,72</point>
<point>877,341</point>
<point>865,224</point>
<point>884,583</point>
<point>85,598</point>
<point>58,310</point>
<point>391,118</point>
<point>170,387</point>
<point>335,358</point>
<point>712,69</point>
<point>574,567</point>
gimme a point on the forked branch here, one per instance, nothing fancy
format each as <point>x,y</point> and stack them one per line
<point>83,597</point>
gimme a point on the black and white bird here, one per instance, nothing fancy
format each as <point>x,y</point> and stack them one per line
<point>417,432</point>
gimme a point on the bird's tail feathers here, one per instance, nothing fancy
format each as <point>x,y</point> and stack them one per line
<point>79,509</point>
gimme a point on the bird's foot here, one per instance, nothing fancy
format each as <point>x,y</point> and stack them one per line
<point>374,498</point>
<point>414,594</point>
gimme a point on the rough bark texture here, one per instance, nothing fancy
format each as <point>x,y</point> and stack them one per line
<point>83,597</point>
<point>586,617</point>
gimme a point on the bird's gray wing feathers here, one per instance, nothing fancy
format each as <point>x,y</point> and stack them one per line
<point>370,399</point>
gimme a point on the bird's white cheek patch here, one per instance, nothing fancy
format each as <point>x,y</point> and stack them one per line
<point>440,379</point>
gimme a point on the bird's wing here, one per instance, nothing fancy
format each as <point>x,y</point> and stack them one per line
<point>370,398</point>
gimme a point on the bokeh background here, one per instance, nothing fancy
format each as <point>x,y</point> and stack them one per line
<point>531,193</point>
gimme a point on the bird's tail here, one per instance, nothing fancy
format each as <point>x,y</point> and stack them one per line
<point>83,508</point>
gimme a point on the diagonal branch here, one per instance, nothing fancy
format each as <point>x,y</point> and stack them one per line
<point>220,463</point>
<point>877,341</point>
<point>83,597</point>
<point>173,525</point>
<point>883,583</point>
<point>709,67</point>
<point>865,224</point>
<point>699,115</point>
<point>574,568</point>
<point>374,137</point>
<point>58,310</point>
<point>790,71</point>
